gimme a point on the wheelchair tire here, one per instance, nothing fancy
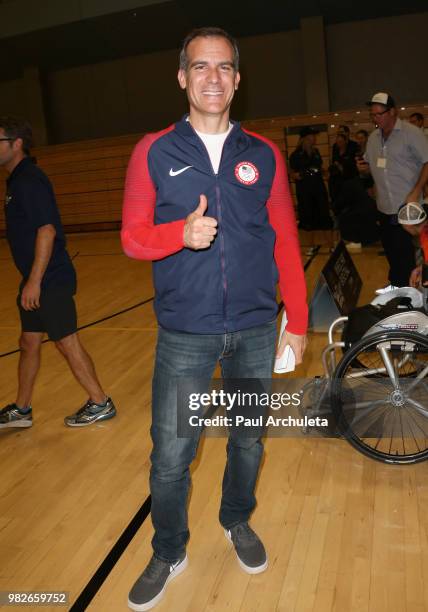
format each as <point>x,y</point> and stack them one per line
<point>383,419</point>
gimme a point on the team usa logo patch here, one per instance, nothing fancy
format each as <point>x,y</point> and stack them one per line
<point>246,173</point>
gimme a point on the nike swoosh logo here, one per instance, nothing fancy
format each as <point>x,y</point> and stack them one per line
<point>175,172</point>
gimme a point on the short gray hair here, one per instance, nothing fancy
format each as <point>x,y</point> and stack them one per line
<point>208,33</point>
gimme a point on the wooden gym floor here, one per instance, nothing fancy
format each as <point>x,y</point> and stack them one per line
<point>343,533</point>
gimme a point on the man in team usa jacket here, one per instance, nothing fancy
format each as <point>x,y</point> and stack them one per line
<point>209,203</point>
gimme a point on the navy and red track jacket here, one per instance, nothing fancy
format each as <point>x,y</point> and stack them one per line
<point>230,286</point>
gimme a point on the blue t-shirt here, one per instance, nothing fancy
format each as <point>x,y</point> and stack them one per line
<point>30,204</point>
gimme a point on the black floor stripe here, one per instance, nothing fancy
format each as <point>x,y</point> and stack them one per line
<point>78,253</point>
<point>312,257</point>
<point>115,314</point>
<point>305,267</point>
<point>100,254</point>
<point>72,230</point>
<point>95,583</point>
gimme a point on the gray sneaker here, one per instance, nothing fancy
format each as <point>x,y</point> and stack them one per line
<point>90,413</point>
<point>151,585</point>
<point>11,416</point>
<point>248,547</point>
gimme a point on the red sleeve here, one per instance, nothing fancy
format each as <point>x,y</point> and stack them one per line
<point>141,239</point>
<point>424,242</point>
<point>292,284</point>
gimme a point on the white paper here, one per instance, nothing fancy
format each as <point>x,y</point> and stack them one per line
<point>287,362</point>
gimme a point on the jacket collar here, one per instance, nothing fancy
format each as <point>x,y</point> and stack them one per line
<point>185,129</point>
<point>236,141</point>
<point>24,163</point>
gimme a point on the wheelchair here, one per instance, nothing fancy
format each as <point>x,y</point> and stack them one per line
<point>375,389</point>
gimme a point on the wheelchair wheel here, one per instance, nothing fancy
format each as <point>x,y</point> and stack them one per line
<point>315,402</point>
<point>379,396</point>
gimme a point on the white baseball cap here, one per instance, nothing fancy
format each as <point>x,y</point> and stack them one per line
<point>382,98</point>
<point>411,213</point>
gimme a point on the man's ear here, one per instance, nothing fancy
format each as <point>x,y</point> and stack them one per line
<point>17,144</point>
<point>237,79</point>
<point>182,78</point>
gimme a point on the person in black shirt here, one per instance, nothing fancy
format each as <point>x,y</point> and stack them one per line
<point>352,203</point>
<point>343,166</point>
<point>362,137</point>
<point>352,147</point>
<point>312,199</point>
<point>45,300</point>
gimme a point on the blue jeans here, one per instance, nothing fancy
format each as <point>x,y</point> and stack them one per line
<point>246,354</point>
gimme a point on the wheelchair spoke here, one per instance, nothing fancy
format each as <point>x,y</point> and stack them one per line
<point>419,407</point>
<point>410,415</point>
<point>366,409</point>
<point>365,373</point>
<point>392,431</point>
<point>389,366</point>
<point>414,438</point>
<point>418,378</point>
<point>400,418</point>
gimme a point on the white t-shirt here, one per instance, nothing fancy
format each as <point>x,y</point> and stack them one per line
<point>214,145</point>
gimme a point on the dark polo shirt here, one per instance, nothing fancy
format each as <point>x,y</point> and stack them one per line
<point>30,204</point>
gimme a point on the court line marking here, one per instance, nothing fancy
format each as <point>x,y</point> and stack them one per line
<point>106,566</point>
<point>115,314</point>
<point>100,254</point>
<point>133,329</point>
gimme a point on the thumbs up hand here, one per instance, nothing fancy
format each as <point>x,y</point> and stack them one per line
<point>199,231</point>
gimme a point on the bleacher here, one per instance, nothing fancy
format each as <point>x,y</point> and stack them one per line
<point>88,176</point>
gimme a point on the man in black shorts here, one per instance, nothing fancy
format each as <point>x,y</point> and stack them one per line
<point>45,300</point>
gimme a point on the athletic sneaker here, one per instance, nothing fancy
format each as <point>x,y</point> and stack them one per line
<point>248,547</point>
<point>11,416</point>
<point>90,413</point>
<point>151,585</point>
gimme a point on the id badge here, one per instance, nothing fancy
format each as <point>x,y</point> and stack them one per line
<point>381,162</point>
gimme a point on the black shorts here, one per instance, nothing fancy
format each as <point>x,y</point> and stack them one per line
<point>56,316</point>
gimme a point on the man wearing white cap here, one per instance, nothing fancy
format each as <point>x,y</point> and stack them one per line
<point>397,158</point>
<point>413,218</point>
